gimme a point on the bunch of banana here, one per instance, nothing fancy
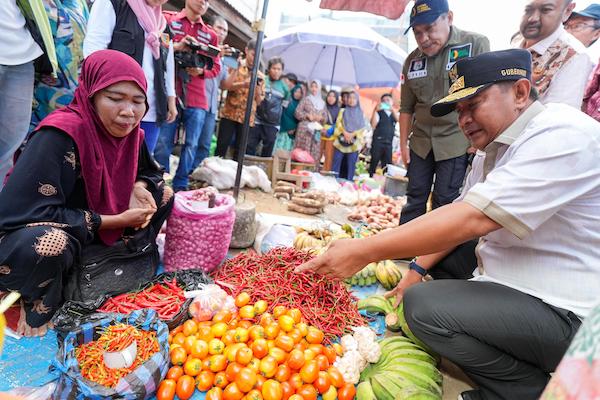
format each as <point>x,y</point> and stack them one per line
<point>304,240</point>
<point>388,274</point>
<point>404,371</point>
<point>366,277</point>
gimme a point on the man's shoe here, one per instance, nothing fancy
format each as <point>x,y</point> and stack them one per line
<point>470,395</point>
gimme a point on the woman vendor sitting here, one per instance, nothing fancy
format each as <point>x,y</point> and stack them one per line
<point>84,177</point>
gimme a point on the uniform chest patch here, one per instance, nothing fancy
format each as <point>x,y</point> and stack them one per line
<point>417,68</point>
<point>456,53</point>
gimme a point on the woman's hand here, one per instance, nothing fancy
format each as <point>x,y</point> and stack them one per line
<point>136,217</point>
<point>141,197</point>
<point>343,259</point>
<point>172,109</point>
<point>348,137</point>
<point>409,279</point>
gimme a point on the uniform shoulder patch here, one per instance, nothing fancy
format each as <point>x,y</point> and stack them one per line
<point>455,53</point>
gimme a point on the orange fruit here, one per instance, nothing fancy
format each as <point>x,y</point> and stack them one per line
<point>179,338</point>
<point>205,333</point>
<point>278,354</point>
<point>286,323</point>
<point>278,311</point>
<point>314,336</point>
<point>205,380</point>
<point>296,359</point>
<point>254,394</point>
<point>219,329</point>
<point>254,364</point>
<point>259,348</point>
<point>243,356</point>
<point>283,373</point>
<point>185,387</point>
<point>310,371</point>
<point>178,356</point>
<point>221,380</point>
<point>296,314</point>
<point>260,307</point>
<point>256,332</point>
<point>242,299</point>
<point>192,366</point>
<point>188,343</point>
<point>232,371</point>
<point>214,394</point>
<point>336,378</point>
<point>189,327</point>
<point>272,390</point>
<point>174,372</point>
<point>232,392</point>
<point>218,363</point>
<point>215,346</point>
<point>323,383</point>
<point>241,335</point>
<point>268,366</point>
<point>284,342</point>
<point>247,312</point>
<point>199,349</point>
<point>245,380</point>
<point>308,392</point>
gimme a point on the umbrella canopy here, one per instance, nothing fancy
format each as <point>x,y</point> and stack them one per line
<point>350,52</point>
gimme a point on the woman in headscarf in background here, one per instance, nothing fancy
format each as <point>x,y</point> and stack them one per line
<point>311,111</point>
<point>85,177</point>
<point>289,123</point>
<point>348,133</point>
<point>332,102</point>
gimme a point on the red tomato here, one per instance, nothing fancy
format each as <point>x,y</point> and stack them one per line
<point>185,387</point>
<point>323,382</point>
<point>336,378</point>
<point>308,392</point>
<point>346,392</point>
<point>323,362</point>
<point>166,390</point>
<point>232,392</point>
<point>287,389</point>
<point>175,372</point>
<point>296,381</point>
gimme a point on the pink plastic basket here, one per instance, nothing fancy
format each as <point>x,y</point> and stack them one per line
<point>197,236</point>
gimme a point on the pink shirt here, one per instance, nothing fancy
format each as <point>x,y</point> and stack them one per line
<point>591,97</point>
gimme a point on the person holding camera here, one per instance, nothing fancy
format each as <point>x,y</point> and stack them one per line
<point>268,113</point>
<point>197,59</point>
<point>383,121</point>
<point>139,29</point>
<point>233,112</point>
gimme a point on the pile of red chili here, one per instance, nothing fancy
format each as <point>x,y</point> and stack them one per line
<point>90,356</point>
<point>326,304</point>
<point>165,298</point>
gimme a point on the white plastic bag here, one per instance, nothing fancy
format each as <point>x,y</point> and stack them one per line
<point>208,301</point>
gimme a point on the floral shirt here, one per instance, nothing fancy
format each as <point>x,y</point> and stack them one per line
<point>235,104</point>
<point>591,97</point>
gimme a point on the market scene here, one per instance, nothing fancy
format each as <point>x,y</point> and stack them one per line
<point>300,199</point>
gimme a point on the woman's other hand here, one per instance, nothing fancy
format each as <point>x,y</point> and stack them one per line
<point>137,217</point>
<point>141,197</point>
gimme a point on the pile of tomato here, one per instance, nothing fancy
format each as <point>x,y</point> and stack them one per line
<point>253,355</point>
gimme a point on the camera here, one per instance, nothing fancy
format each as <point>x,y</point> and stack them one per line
<point>201,56</point>
<point>235,53</point>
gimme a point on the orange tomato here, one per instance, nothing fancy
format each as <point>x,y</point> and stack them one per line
<point>336,378</point>
<point>232,371</point>
<point>206,364</point>
<point>296,381</point>
<point>287,390</point>
<point>278,311</point>
<point>296,397</point>
<point>205,333</point>
<point>303,328</point>
<point>245,380</point>
<point>254,364</point>
<point>272,390</point>
<point>295,335</point>
<point>229,337</point>
<point>188,343</point>
<point>266,319</point>
<point>278,354</point>
<point>310,371</point>
<point>295,314</point>
<point>166,390</point>
<point>346,392</point>
<point>323,383</point>
<point>241,335</point>
<point>199,349</point>
<point>178,356</point>
<point>286,323</point>
<point>271,331</point>
<point>215,393</point>
<point>296,359</point>
<point>331,394</point>
<point>192,366</point>
<point>234,322</point>
<point>260,307</point>
<point>205,380</point>
<point>247,312</point>
<point>329,352</point>
<point>339,350</point>
<point>185,387</point>
<point>179,338</point>
<point>221,380</point>
<point>284,342</point>
<point>232,392</point>
<point>314,336</point>
<point>189,327</point>
<point>218,363</point>
<point>256,332</point>
<point>259,348</point>
<point>268,366</point>
<point>323,362</point>
<point>300,346</point>
<point>308,392</point>
<point>243,355</point>
<point>254,394</point>
<point>231,351</point>
<point>222,316</point>
<point>219,329</point>
<point>174,372</point>
<point>317,348</point>
<point>309,355</point>
<point>242,299</point>
<point>246,324</point>
<point>283,373</point>
<point>270,344</point>
<point>260,380</point>
<point>204,323</point>
<point>216,346</point>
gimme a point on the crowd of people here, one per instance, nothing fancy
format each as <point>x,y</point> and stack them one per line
<point>518,236</point>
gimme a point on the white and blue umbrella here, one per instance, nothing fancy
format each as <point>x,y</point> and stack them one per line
<point>338,53</point>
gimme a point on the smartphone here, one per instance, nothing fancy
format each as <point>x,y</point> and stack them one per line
<point>229,61</point>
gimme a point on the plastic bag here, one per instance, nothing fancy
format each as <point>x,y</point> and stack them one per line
<point>198,237</point>
<point>302,156</point>
<point>74,313</point>
<point>142,383</point>
<point>209,300</point>
<point>30,393</point>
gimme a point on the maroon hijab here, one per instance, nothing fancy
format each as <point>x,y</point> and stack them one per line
<point>108,164</point>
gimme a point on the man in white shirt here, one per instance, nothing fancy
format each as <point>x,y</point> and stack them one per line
<point>18,50</point>
<point>585,26</point>
<point>534,200</point>
<point>561,66</point>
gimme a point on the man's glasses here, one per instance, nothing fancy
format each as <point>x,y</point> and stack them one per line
<point>579,27</point>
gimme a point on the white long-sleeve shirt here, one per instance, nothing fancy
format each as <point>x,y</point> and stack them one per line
<point>100,27</point>
<point>16,44</point>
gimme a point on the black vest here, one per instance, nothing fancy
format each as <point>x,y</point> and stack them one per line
<point>384,132</point>
<point>128,37</point>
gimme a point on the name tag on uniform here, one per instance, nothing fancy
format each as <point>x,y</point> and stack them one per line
<point>456,53</point>
<point>417,68</point>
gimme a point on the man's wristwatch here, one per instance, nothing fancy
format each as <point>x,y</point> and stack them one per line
<point>416,267</point>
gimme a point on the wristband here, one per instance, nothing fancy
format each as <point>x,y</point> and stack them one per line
<point>416,267</point>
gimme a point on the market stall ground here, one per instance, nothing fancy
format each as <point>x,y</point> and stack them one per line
<point>25,362</point>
